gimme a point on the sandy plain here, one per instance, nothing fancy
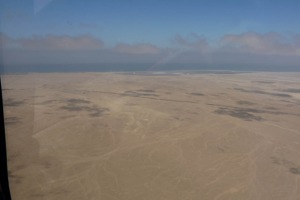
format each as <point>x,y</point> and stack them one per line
<point>152,136</point>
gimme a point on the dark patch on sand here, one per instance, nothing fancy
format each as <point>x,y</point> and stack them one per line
<point>254,110</point>
<point>282,162</point>
<point>14,156</point>
<point>11,120</point>
<point>93,110</point>
<point>178,118</point>
<point>74,107</point>
<point>48,102</point>
<point>12,102</point>
<point>77,101</point>
<point>291,90</point>
<point>194,113</point>
<point>83,105</point>
<point>138,94</point>
<point>246,113</point>
<point>37,96</point>
<point>97,112</point>
<point>264,82</point>
<point>241,113</point>
<point>197,94</point>
<point>283,100</point>
<point>246,103</point>
<point>295,170</point>
<point>263,92</point>
<point>15,178</point>
<point>270,108</point>
<point>145,90</point>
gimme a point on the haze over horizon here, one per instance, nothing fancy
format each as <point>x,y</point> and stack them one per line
<point>52,35</point>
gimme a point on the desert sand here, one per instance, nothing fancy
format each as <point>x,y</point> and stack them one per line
<point>153,136</point>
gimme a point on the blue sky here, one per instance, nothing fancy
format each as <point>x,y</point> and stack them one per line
<point>263,28</point>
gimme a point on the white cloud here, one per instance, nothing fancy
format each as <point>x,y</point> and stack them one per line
<point>246,49</point>
<point>264,44</point>
<point>58,42</point>
<point>137,49</point>
<point>193,42</point>
<point>4,40</point>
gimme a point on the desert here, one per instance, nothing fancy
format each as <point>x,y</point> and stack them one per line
<point>145,135</point>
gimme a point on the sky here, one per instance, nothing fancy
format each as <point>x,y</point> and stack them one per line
<point>152,34</point>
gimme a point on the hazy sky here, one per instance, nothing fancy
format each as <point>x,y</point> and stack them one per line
<point>151,32</point>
